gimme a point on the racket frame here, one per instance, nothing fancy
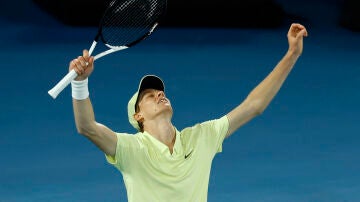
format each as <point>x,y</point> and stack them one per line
<point>70,76</point>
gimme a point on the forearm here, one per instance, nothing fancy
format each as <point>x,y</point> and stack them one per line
<point>262,95</point>
<point>84,116</point>
<point>103,137</point>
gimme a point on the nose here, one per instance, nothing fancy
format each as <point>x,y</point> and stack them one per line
<point>160,94</point>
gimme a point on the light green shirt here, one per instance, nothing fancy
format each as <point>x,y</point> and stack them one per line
<point>152,174</point>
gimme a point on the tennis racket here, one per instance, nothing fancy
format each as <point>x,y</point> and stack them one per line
<point>124,24</point>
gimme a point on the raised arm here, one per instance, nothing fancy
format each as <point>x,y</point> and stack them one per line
<point>260,97</point>
<point>103,137</point>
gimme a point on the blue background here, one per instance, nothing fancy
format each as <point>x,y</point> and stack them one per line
<point>304,147</point>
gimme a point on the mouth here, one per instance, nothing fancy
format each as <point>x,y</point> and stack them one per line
<point>162,100</point>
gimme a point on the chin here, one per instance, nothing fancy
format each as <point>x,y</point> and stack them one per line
<point>169,110</point>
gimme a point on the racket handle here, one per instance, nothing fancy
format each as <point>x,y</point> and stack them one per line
<point>54,92</point>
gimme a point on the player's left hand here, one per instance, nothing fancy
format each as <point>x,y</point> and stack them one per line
<point>295,37</point>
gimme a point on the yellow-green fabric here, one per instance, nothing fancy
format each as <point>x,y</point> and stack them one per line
<point>152,174</point>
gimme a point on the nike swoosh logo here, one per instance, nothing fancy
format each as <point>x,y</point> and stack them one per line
<point>187,155</point>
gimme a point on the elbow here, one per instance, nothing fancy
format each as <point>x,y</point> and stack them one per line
<point>257,107</point>
<point>256,111</point>
<point>81,131</point>
<point>86,129</point>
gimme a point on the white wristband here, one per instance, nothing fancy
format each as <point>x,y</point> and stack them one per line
<point>79,89</point>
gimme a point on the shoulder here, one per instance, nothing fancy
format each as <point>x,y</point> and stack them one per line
<point>218,126</point>
<point>208,135</point>
<point>210,124</point>
<point>128,140</point>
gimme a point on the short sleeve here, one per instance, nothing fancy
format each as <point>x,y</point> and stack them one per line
<point>124,151</point>
<point>213,133</point>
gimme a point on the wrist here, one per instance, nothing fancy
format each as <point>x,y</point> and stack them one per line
<point>79,89</point>
<point>293,53</point>
<point>290,54</point>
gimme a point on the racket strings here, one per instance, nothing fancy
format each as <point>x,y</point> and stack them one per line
<point>126,21</point>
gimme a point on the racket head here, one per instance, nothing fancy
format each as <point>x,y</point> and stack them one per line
<point>126,22</point>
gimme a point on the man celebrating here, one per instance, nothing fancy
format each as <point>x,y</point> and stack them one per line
<point>161,163</point>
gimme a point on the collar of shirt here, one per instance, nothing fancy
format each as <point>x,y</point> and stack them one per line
<point>164,149</point>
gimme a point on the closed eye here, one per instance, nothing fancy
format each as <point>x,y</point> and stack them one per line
<point>148,94</point>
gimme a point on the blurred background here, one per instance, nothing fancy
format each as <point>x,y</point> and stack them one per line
<point>195,13</point>
<point>211,54</point>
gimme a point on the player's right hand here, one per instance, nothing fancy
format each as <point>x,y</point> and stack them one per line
<point>83,65</point>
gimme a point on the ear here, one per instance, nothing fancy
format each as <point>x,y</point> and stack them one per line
<point>138,117</point>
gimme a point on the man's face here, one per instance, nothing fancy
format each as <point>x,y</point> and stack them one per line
<point>153,103</point>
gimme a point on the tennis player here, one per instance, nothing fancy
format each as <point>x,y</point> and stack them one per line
<point>160,162</point>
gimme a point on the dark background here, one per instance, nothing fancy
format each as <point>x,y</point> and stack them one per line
<point>211,54</point>
<point>198,13</point>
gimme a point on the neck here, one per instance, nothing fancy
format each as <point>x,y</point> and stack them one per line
<point>164,131</point>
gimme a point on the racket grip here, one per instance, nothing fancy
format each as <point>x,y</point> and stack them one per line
<point>54,92</point>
